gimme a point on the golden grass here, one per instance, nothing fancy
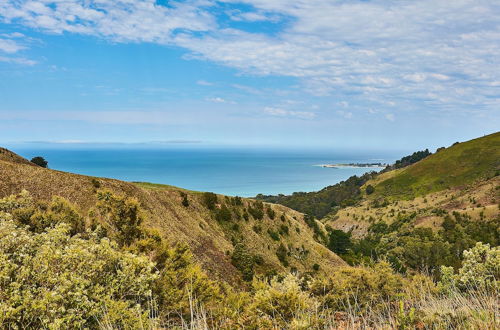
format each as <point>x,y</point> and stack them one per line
<point>463,200</point>
<point>209,240</point>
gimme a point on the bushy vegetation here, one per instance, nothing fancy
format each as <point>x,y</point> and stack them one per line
<point>412,248</point>
<point>210,200</point>
<point>61,269</point>
<point>325,201</point>
<point>410,159</point>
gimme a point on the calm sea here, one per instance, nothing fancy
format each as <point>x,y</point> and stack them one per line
<point>231,171</point>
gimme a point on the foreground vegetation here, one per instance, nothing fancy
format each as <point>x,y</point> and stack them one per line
<point>105,269</point>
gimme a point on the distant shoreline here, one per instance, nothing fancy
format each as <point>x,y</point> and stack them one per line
<point>354,165</point>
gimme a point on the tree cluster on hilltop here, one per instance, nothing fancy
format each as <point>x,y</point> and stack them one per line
<point>320,203</point>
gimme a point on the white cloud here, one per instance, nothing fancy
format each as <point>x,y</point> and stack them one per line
<point>10,46</point>
<point>204,83</point>
<point>17,60</point>
<point>120,20</point>
<point>217,100</point>
<point>252,16</point>
<point>428,53</point>
<point>390,117</point>
<point>279,112</point>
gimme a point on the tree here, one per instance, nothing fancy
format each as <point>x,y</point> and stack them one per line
<point>369,189</point>
<point>339,241</point>
<point>243,261</point>
<point>40,161</point>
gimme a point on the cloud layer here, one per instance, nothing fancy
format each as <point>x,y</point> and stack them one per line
<point>432,54</point>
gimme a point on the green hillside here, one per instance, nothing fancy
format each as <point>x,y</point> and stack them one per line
<point>79,252</point>
<point>456,166</point>
<point>182,216</point>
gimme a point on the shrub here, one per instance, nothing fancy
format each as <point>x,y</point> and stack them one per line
<point>257,229</point>
<point>284,230</point>
<point>480,269</point>
<point>274,235</point>
<point>210,200</point>
<point>282,304</point>
<point>282,253</point>
<point>52,278</point>
<point>243,261</point>
<point>270,213</point>
<point>369,189</point>
<point>223,214</point>
<point>257,210</point>
<point>95,183</point>
<point>181,283</point>
<point>363,287</point>
<point>41,215</point>
<point>119,216</point>
<point>185,201</point>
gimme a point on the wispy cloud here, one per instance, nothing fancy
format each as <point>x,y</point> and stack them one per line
<point>17,60</point>
<point>217,100</point>
<point>415,54</point>
<point>279,112</point>
<point>10,46</point>
<point>204,83</point>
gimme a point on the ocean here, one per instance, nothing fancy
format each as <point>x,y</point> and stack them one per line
<point>242,172</point>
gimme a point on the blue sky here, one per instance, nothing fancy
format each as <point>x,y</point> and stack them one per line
<point>351,74</point>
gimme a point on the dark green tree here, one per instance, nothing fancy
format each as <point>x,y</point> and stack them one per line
<point>210,199</point>
<point>40,161</point>
<point>339,241</point>
<point>369,189</point>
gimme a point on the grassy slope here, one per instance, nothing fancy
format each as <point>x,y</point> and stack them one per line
<point>460,178</point>
<point>209,240</point>
<point>456,166</point>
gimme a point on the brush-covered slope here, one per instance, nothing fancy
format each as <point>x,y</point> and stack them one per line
<point>266,231</point>
<point>457,166</point>
<point>462,179</point>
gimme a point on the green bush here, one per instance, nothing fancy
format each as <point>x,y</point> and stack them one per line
<point>185,201</point>
<point>282,253</point>
<point>274,235</point>
<point>480,269</point>
<point>270,213</point>
<point>223,214</point>
<point>243,261</point>
<point>119,216</point>
<point>52,279</point>
<point>369,189</point>
<point>363,287</point>
<point>210,200</point>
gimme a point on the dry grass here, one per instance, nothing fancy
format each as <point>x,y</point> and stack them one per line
<point>209,240</point>
<point>481,197</point>
<point>424,309</point>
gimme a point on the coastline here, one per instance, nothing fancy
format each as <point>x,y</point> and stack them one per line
<point>352,165</point>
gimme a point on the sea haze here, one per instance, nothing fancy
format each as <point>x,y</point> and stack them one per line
<point>232,171</point>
